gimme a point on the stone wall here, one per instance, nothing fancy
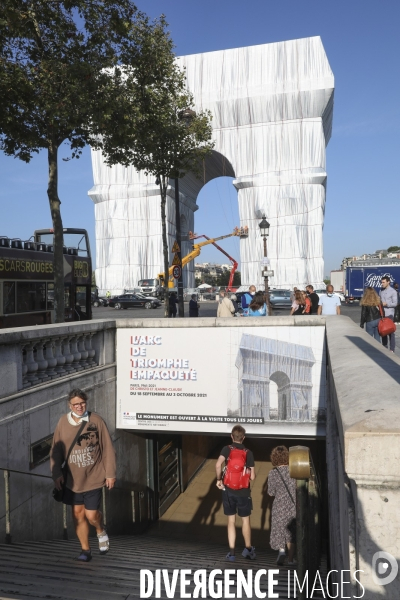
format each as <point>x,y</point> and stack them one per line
<point>363,454</point>
<point>363,432</point>
<point>30,413</point>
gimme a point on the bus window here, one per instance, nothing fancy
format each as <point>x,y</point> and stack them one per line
<point>9,297</point>
<point>81,302</point>
<point>50,296</point>
<point>67,296</point>
<point>31,296</point>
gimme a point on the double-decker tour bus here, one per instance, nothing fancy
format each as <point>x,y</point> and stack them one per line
<point>27,278</point>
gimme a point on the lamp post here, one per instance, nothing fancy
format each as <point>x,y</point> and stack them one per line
<point>264,230</point>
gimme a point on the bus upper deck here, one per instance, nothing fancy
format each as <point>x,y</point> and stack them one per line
<point>27,278</point>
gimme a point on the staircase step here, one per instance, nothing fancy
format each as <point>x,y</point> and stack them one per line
<point>47,570</point>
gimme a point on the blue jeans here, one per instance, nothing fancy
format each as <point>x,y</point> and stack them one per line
<point>391,338</point>
<point>372,329</point>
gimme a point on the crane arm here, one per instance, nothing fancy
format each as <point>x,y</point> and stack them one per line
<point>238,231</point>
<point>233,261</point>
<point>212,240</point>
<point>185,260</point>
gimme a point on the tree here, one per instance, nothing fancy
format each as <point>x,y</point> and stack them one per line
<point>168,139</point>
<point>59,82</point>
<point>393,249</point>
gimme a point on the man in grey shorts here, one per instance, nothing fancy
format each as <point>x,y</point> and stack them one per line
<point>237,501</point>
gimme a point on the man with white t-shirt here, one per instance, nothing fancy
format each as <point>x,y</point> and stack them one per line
<point>329,304</point>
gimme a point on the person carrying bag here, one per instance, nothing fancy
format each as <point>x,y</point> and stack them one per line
<point>386,325</point>
<point>58,495</point>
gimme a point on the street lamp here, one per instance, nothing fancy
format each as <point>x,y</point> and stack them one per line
<point>264,230</point>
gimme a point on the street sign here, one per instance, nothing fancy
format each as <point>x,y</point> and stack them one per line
<point>176,271</point>
<point>175,247</point>
<point>268,273</point>
<point>177,260</point>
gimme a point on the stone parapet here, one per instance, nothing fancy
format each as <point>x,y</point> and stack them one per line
<point>363,448</point>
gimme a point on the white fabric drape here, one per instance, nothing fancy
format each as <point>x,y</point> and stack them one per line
<point>272,109</point>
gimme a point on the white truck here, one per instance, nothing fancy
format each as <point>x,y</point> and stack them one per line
<point>151,287</point>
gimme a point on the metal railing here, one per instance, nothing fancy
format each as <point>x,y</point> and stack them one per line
<point>308,514</point>
<point>134,507</point>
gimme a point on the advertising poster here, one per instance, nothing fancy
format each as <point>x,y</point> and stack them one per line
<point>205,380</point>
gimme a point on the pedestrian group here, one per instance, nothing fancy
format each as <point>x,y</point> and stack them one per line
<point>234,479</point>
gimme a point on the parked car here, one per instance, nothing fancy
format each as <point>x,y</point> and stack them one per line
<point>277,298</point>
<point>280,298</point>
<point>100,301</point>
<point>133,301</point>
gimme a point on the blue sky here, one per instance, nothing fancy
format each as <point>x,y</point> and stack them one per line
<point>362,42</point>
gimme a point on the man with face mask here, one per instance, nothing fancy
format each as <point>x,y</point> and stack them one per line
<point>247,299</point>
<point>329,304</point>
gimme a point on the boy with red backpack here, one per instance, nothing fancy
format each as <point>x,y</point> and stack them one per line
<point>235,485</point>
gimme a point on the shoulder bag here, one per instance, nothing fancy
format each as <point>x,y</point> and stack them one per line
<point>385,325</point>
<point>58,495</point>
<point>285,484</point>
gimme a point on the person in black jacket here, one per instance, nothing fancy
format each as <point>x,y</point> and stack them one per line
<point>314,299</point>
<point>172,302</point>
<point>193,306</point>
<point>370,313</point>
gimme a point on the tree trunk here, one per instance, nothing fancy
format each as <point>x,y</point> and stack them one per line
<point>163,190</point>
<point>178,238</point>
<point>54,201</point>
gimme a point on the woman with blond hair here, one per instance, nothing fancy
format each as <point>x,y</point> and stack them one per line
<point>370,313</point>
<point>299,304</point>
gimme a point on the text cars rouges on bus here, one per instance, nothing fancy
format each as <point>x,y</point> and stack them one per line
<point>27,278</point>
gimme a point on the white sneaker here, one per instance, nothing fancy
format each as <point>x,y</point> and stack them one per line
<point>281,557</point>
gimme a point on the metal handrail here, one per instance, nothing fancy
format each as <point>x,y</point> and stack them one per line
<point>25,473</point>
<point>308,509</point>
<point>116,487</point>
<point>136,507</point>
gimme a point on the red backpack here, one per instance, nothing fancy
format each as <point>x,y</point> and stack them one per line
<point>236,474</point>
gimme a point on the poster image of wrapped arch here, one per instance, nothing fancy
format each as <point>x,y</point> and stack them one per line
<point>206,379</point>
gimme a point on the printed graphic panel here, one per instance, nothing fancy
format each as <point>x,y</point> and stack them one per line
<point>270,380</point>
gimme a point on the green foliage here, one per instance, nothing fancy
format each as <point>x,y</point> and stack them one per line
<point>53,58</point>
<point>327,280</point>
<point>393,249</point>
<point>153,126</point>
<point>61,82</point>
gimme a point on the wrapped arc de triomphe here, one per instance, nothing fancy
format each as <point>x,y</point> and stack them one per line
<point>272,109</point>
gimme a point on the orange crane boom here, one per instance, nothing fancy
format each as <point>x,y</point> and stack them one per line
<point>238,231</point>
<point>233,261</point>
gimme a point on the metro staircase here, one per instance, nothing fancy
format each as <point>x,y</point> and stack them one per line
<point>47,570</point>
